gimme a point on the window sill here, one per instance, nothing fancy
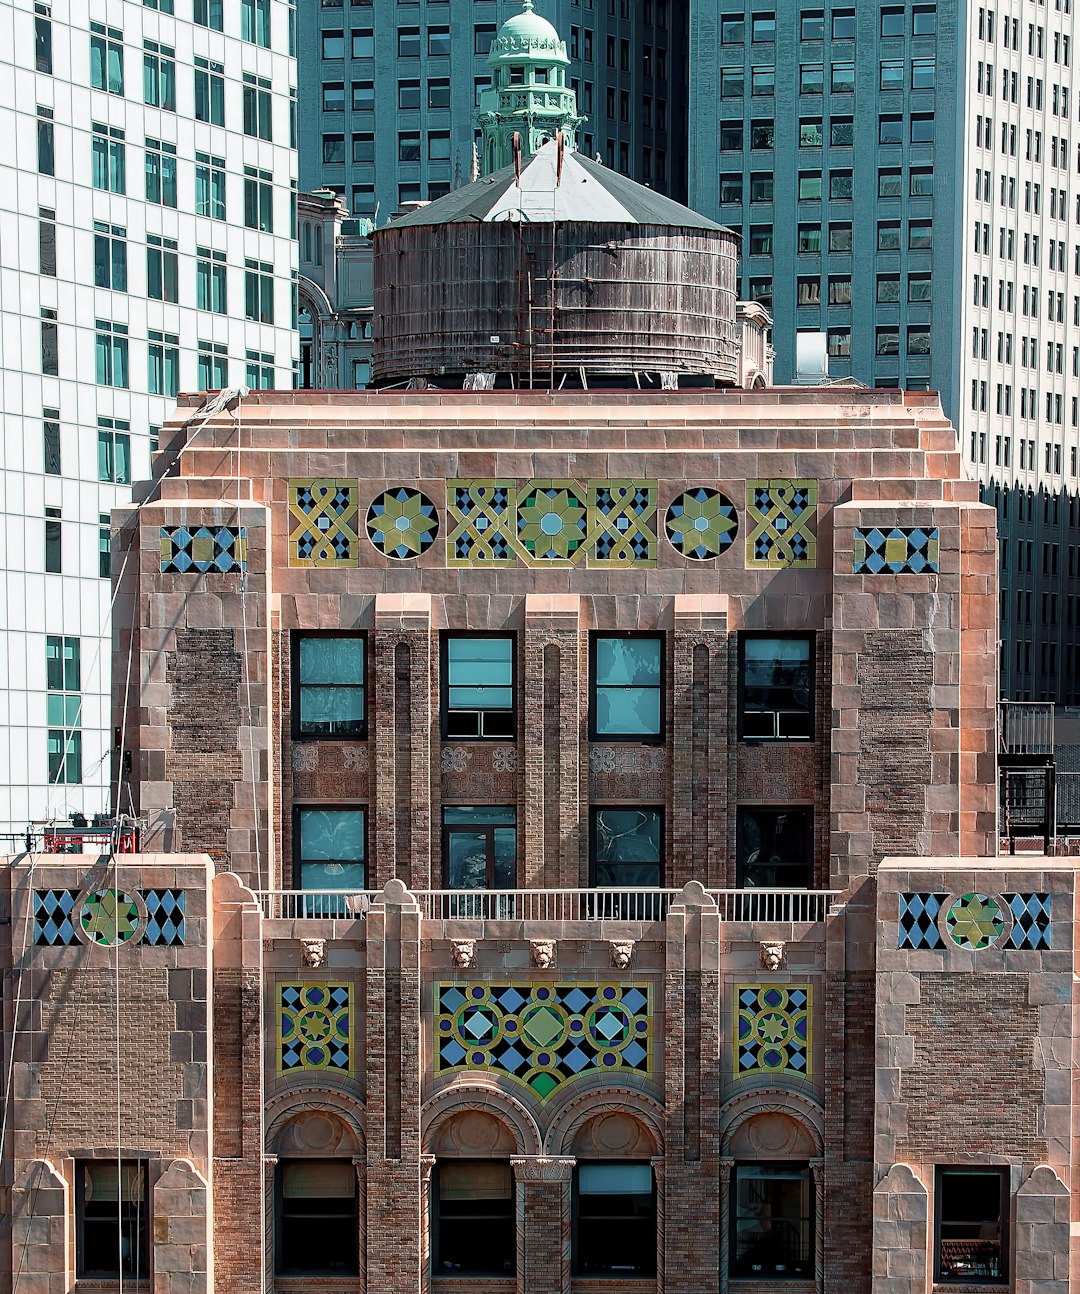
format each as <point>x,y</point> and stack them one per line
<point>317,1282</point>
<point>609,1284</point>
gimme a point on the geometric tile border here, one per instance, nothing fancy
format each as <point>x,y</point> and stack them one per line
<point>402,523</point>
<point>106,917</point>
<point>772,1029</point>
<point>781,516</point>
<point>221,549</point>
<point>701,524</point>
<point>315,1027</point>
<point>918,920</point>
<point>322,523</point>
<point>543,1035</point>
<point>1019,920</point>
<point>903,550</point>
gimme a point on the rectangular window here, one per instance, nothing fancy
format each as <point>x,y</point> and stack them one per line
<point>259,291</point>
<point>110,256</point>
<point>111,354</point>
<point>330,686</point>
<point>473,1232</point>
<point>104,546</point>
<point>923,73</point>
<point>111,1220</point>
<point>731,136</point>
<point>162,269</point>
<point>47,241</point>
<point>763,80</point>
<point>209,186</point>
<point>258,200</point>
<point>212,366</point>
<point>810,135</point>
<point>891,74</point>
<point>478,686</point>
<point>317,1223</point>
<point>627,847</point>
<point>53,542</point>
<point>259,370</point>
<point>43,61</point>
<point>732,29</point>
<point>159,75</point>
<point>50,435</point>
<point>209,91</point>
<point>731,187</point>
<point>843,24</point>
<point>255,22</point>
<point>108,158</point>
<point>892,22</point>
<point>438,92</point>
<point>890,184</point>
<point>50,343</point>
<point>479,849</point>
<point>114,453</point>
<point>812,25</point>
<point>363,96</point>
<point>970,1214</point>
<point>408,42</point>
<point>772,1221</point>
<point>438,42</point>
<point>209,13</point>
<point>891,129</point>
<point>809,238</point>
<point>841,185</point>
<point>840,238</point>
<point>732,83</point>
<point>762,134</point>
<point>627,687</point>
<point>256,104</point>
<point>46,148</point>
<point>811,78</point>
<point>842,78</point>
<point>922,128</point>
<point>810,184</point>
<point>761,186</point>
<point>764,27</point>
<point>775,847</point>
<point>211,281</point>
<point>776,688</point>
<point>923,20</point>
<point>161,172</point>
<point>106,58</point>
<point>842,132</point>
<point>163,363</point>
<point>614,1219</point>
<point>330,849</point>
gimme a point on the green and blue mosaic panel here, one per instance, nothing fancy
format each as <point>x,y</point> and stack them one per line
<point>903,550</point>
<point>701,524</point>
<point>973,921</point>
<point>622,523</point>
<point>544,1035</point>
<point>322,523</point>
<point>107,917</point>
<point>202,549</point>
<point>402,523</point>
<point>483,523</point>
<point>781,516</point>
<point>552,523</point>
<point>772,1029</point>
<point>315,1027</point>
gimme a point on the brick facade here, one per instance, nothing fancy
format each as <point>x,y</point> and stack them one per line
<point>830,1031</point>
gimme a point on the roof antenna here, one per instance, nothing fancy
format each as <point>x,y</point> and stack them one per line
<point>517,158</point>
<point>558,168</point>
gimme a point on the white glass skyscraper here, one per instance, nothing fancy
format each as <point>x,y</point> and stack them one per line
<point>147,246</point>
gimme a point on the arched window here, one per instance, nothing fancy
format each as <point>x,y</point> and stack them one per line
<point>614,1198</point>
<point>472,1198</point>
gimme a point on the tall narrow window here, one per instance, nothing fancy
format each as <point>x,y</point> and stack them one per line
<point>255,21</point>
<point>259,291</point>
<point>478,686</point>
<point>210,186</point>
<point>775,688</point>
<point>209,91</point>
<point>109,158</point>
<point>110,256</point>
<point>111,1210</point>
<point>104,546</point>
<point>329,698</point>
<point>114,451</point>
<point>111,354</point>
<point>317,1224</point>
<point>46,150</point>
<point>159,75</point>
<point>53,555</point>
<point>162,269</point>
<point>212,366</point>
<point>106,58</point>
<point>474,1218</point>
<point>161,172</point>
<point>209,13</point>
<point>43,39</point>
<point>51,441</point>
<point>971,1212</point>
<point>50,343</point>
<point>63,676</point>
<point>163,363</point>
<point>47,241</point>
<point>772,1221</point>
<point>614,1219</point>
<point>479,847</point>
<point>627,673</point>
<point>256,96</point>
<point>258,200</point>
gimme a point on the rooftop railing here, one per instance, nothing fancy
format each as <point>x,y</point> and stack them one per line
<point>789,907</point>
<point>1026,727</point>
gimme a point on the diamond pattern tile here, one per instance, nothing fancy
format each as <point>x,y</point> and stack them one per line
<point>543,1035</point>
<point>53,927</point>
<point>164,916</point>
<point>222,549</point>
<point>772,1029</point>
<point>903,550</point>
<point>315,1027</point>
<point>1031,920</point>
<point>918,926</point>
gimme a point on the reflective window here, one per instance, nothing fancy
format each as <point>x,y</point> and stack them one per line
<point>772,1222</point>
<point>626,847</point>
<point>330,686</point>
<point>776,688</point>
<point>111,1220</point>
<point>775,847</point>
<point>330,849</point>
<point>626,675</point>
<point>480,847</point>
<point>478,686</point>
<point>971,1205</point>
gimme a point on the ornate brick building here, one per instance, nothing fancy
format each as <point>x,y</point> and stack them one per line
<point>515,774</point>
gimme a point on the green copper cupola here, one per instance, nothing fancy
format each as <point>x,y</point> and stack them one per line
<point>528,93</point>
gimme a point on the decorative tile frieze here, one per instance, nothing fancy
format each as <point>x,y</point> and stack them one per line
<point>701,524</point>
<point>1031,920</point>
<point>107,917</point>
<point>781,517</point>
<point>322,523</point>
<point>482,523</point>
<point>221,549</point>
<point>622,523</point>
<point>772,1029</point>
<point>552,523</point>
<point>315,1027</point>
<point>919,920</point>
<point>903,550</point>
<point>544,1035</point>
<point>974,921</point>
<point>402,523</point>
<point>164,916</point>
